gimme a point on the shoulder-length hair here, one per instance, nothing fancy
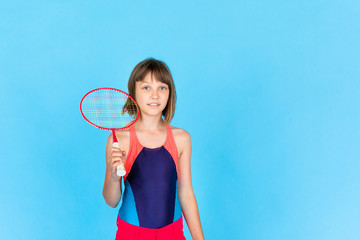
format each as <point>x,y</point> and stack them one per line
<point>161,72</point>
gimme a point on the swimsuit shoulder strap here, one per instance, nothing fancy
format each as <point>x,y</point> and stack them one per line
<point>170,146</point>
<point>134,150</point>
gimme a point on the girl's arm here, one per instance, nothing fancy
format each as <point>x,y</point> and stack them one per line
<point>185,190</point>
<point>112,187</point>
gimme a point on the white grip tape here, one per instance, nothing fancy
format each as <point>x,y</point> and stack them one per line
<point>120,169</point>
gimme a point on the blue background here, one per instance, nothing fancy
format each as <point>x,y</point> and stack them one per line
<point>268,90</point>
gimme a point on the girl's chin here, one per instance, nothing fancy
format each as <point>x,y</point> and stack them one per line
<point>152,113</point>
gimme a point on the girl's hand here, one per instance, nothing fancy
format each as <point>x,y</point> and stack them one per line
<point>117,157</point>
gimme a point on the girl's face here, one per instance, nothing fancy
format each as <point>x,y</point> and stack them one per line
<point>151,95</point>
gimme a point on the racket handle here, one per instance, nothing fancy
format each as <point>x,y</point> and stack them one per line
<point>120,169</point>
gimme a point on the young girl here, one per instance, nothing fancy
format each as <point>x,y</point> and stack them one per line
<point>158,188</point>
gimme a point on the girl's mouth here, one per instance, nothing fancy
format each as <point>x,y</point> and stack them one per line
<point>154,105</point>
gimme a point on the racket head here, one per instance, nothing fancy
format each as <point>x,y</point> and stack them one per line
<point>109,109</point>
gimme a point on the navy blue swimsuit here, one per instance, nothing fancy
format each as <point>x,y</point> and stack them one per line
<point>150,197</point>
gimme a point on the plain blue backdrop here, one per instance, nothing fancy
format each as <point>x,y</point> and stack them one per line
<point>268,90</point>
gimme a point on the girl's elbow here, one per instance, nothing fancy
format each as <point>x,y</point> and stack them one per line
<point>187,196</point>
<point>110,203</point>
<point>114,205</point>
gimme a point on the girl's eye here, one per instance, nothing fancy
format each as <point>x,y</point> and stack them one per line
<point>163,88</point>
<point>146,88</point>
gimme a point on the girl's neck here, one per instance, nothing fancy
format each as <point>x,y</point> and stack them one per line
<point>149,123</point>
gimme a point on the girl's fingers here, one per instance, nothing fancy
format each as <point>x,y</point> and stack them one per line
<point>115,164</point>
<point>119,153</point>
<point>119,157</point>
<point>114,149</point>
<point>116,160</point>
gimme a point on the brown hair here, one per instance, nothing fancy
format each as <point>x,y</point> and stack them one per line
<point>161,72</point>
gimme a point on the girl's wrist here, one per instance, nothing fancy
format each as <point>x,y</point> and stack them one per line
<point>115,181</point>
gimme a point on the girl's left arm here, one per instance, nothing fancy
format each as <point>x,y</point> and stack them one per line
<point>185,190</point>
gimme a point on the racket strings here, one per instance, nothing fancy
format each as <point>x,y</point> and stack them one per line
<point>109,108</point>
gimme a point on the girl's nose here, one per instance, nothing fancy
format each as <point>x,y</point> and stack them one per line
<point>154,95</point>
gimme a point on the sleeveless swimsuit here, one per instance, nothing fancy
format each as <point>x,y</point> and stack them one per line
<point>150,207</point>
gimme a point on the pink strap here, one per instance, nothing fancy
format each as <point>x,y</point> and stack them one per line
<point>171,147</point>
<point>134,150</point>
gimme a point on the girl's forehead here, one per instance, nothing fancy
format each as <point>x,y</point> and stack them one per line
<point>150,79</point>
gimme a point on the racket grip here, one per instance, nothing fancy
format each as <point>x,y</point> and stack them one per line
<point>120,169</point>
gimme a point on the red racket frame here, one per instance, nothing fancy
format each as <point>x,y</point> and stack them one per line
<point>110,129</point>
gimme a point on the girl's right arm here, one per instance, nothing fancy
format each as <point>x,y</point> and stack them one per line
<point>112,184</point>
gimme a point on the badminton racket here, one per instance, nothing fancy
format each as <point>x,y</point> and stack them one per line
<point>110,109</point>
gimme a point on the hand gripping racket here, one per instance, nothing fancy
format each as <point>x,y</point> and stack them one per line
<point>110,109</point>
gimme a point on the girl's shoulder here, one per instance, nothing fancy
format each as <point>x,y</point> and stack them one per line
<point>179,132</point>
<point>181,137</point>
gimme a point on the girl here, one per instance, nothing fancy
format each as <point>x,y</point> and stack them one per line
<point>158,188</point>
